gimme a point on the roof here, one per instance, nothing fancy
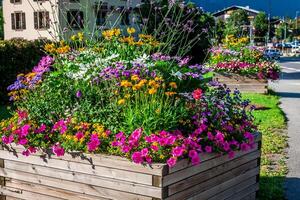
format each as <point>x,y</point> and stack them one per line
<point>247,8</point>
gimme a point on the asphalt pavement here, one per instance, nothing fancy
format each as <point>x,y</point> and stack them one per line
<point>288,87</point>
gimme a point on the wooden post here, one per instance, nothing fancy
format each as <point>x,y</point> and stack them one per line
<point>2,179</point>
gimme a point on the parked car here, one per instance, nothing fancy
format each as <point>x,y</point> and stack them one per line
<point>287,45</point>
<point>272,54</point>
<point>295,44</point>
<point>296,50</point>
<point>278,45</point>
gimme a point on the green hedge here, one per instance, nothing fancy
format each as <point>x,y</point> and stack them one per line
<point>16,56</point>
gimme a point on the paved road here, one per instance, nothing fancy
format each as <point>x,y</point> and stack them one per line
<point>289,89</point>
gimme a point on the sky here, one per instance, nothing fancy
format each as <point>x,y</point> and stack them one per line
<point>275,7</point>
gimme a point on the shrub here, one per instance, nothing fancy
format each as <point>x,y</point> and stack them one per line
<point>16,56</point>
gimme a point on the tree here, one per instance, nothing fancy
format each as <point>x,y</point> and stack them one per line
<point>219,30</point>
<point>260,24</point>
<point>236,23</point>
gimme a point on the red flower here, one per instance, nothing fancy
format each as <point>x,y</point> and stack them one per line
<point>197,94</point>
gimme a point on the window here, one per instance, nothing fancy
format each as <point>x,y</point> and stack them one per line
<point>15,1</point>
<point>75,19</point>
<point>18,21</point>
<point>101,13</point>
<point>41,20</point>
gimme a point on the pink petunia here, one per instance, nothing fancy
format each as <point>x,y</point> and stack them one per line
<point>245,147</point>
<point>23,141</point>
<point>125,149</point>
<point>137,157</point>
<point>208,149</point>
<point>197,94</point>
<point>210,136</point>
<point>25,130</point>
<point>7,140</point>
<point>195,160</point>
<point>171,162</point>
<point>177,151</point>
<point>58,150</point>
<point>193,153</point>
<point>231,154</point>
<point>94,143</point>
<point>154,147</point>
<point>26,153</point>
<point>144,152</point>
<point>79,135</point>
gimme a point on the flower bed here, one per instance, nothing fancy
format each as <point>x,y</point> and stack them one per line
<point>119,96</point>
<point>246,65</point>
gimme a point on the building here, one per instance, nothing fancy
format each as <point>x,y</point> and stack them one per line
<point>52,19</point>
<point>226,12</point>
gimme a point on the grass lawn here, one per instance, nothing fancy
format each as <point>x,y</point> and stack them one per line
<point>3,112</point>
<point>271,123</point>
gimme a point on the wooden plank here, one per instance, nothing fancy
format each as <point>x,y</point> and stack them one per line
<point>114,162</point>
<point>84,178</point>
<point>53,192</point>
<point>193,170</point>
<point>82,168</point>
<point>118,186</point>
<point>25,194</point>
<point>182,164</point>
<point>12,198</point>
<point>212,186</point>
<point>250,159</point>
<point>234,189</point>
<point>248,193</point>
<point>227,184</point>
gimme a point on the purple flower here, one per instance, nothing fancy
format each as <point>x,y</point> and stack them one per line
<point>78,94</point>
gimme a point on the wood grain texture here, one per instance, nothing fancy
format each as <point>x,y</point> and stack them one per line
<point>216,177</point>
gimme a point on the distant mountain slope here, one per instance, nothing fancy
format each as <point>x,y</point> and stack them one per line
<point>276,7</point>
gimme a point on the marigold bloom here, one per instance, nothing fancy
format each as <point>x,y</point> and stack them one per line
<point>130,30</point>
<point>173,85</point>
<point>126,83</point>
<point>152,91</point>
<point>121,101</point>
<point>135,78</point>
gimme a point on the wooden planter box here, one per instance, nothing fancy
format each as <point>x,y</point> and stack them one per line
<point>242,83</point>
<point>110,177</point>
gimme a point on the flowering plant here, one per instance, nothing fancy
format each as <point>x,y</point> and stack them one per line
<point>123,98</point>
<point>246,61</point>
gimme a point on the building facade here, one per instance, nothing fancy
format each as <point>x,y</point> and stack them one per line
<point>53,19</point>
<point>226,12</point>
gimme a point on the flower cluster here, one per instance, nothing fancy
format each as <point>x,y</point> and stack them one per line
<point>119,97</point>
<point>30,80</point>
<point>246,61</point>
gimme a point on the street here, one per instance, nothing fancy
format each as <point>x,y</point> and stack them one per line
<point>288,87</point>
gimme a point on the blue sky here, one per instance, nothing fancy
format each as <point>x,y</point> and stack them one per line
<point>277,7</point>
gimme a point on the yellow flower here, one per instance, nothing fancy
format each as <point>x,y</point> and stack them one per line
<point>158,78</point>
<point>127,96</point>
<point>130,30</point>
<point>50,48</point>
<point>74,37</point>
<point>135,78</point>
<point>152,91</point>
<point>80,36</point>
<point>126,83</point>
<point>108,34</point>
<point>139,43</point>
<point>121,101</point>
<point>170,93</point>
<point>152,83</point>
<point>173,85</point>
<point>136,87</point>
<point>116,32</point>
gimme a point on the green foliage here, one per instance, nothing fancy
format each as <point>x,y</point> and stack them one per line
<point>271,123</point>
<point>16,56</point>
<point>219,30</point>
<point>185,30</point>
<point>235,23</point>
<point>261,24</point>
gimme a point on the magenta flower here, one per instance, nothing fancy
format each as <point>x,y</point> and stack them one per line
<point>177,151</point>
<point>25,130</point>
<point>208,149</point>
<point>94,143</point>
<point>195,160</point>
<point>41,129</point>
<point>193,153</point>
<point>245,147</point>
<point>58,150</point>
<point>26,153</point>
<point>78,94</point>
<point>23,141</point>
<point>32,149</point>
<point>144,152</point>
<point>210,136</point>
<point>7,140</point>
<point>231,154</point>
<point>119,135</point>
<point>79,135</point>
<point>154,148</point>
<point>219,136</point>
<point>226,146</point>
<point>126,149</point>
<point>137,157</point>
<point>171,162</point>
<point>163,141</point>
